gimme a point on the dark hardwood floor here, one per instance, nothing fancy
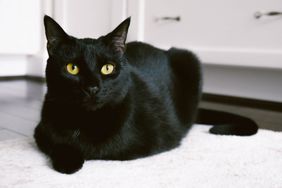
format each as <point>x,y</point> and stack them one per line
<point>21,100</point>
<point>266,119</point>
<point>20,105</point>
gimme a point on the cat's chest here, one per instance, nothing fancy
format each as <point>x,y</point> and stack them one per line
<point>92,127</point>
<point>75,134</point>
<point>84,119</point>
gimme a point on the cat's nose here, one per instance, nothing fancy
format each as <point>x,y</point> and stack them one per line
<point>93,90</point>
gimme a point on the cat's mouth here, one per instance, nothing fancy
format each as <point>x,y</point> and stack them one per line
<point>90,101</point>
<point>90,104</point>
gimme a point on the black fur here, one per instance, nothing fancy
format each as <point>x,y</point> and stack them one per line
<point>145,107</point>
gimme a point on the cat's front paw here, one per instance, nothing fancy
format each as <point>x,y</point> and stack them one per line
<point>67,161</point>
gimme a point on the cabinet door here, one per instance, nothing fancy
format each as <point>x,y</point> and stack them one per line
<point>219,31</point>
<point>21,23</point>
<point>84,18</point>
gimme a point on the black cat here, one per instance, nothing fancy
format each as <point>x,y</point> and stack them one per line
<point>115,101</point>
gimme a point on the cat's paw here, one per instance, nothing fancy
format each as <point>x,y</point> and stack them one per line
<point>67,161</point>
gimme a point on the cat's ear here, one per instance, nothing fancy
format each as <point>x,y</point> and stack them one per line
<point>118,36</point>
<point>54,32</point>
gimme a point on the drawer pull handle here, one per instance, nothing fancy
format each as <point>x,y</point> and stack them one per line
<point>259,14</point>
<point>167,18</point>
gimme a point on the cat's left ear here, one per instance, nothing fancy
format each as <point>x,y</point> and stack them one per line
<point>118,37</point>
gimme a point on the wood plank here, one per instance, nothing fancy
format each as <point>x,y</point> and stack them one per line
<point>23,89</point>
<point>22,111</point>
<point>16,124</point>
<point>6,135</point>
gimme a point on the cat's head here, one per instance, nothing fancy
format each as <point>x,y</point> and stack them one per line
<point>86,72</point>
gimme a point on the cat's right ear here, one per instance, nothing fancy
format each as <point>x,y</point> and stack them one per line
<point>53,31</point>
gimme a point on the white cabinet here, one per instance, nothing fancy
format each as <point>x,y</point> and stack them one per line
<point>20,35</point>
<point>20,32</point>
<point>219,31</point>
<point>84,18</point>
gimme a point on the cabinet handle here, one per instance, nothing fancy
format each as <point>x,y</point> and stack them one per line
<point>259,14</point>
<point>168,18</point>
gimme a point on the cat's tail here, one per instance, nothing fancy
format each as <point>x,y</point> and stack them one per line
<point>226,123</point>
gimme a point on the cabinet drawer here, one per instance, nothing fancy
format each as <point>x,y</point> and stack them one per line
<point>220,31</point>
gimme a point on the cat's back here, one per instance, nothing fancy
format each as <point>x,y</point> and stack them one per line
<point>173,65</point>
<point>174,74</point>
<point>150,64</point>
<point>146,57</point>
<point>143,54</point>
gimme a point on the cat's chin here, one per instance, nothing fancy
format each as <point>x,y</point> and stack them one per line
<point>91,108</point>
<point>90,105</point>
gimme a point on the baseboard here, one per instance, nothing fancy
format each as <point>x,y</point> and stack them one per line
<point>36,78</point>
<point>9,78</point>
<point>240,101</point>
<point>31,78</point>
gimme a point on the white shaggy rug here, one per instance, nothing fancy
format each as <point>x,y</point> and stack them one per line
<point>203,160</point>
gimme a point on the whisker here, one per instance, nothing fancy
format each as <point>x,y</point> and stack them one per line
<point>85,92</point>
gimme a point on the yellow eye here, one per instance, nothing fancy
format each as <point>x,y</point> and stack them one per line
<point>72,69</point>
<point>107,69</point>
